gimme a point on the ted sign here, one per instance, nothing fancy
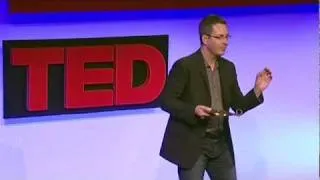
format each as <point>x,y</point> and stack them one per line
<point>44,77</point>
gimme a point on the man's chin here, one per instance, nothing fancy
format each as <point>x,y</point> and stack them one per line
<point>221,53</point>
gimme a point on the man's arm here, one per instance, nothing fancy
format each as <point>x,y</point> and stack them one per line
<point>252,99</point>
<point>171,96</point>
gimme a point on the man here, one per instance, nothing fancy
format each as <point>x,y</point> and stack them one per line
<point>199,88</point>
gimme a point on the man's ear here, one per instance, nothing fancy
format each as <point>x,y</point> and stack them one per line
<point>204,39</point>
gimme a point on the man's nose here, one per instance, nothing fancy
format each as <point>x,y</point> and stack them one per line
<point>225,42</point>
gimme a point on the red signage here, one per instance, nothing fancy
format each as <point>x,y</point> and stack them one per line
<point>43,77</point>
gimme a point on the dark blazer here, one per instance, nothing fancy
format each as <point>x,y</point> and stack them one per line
<point>186,87</point>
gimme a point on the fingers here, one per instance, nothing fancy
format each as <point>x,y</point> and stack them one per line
<point>207,109</point>
<point>202,111</point>
<point>204,115</point>
<point>267,72</point>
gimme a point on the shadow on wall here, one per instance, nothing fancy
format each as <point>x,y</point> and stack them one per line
<point>78,116</point>
<point>12,165</point>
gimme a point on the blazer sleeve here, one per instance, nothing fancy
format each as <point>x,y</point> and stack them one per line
<point>171,98</point>
<point>238,100</point>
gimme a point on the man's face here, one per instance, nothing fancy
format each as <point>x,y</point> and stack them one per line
<point>218,40</point>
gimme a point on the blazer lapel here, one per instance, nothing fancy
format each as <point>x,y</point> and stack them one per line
<point>203,71</point>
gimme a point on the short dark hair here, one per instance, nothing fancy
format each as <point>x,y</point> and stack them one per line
<point>205,26</point>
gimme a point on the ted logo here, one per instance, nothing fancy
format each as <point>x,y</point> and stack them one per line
<point>43,77</point>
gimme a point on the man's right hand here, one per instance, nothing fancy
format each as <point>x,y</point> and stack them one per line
<point>202,111</point>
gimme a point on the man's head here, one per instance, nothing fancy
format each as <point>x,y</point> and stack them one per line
<point>214,34</point>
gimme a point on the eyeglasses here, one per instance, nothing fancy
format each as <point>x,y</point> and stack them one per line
<point>219,37</point>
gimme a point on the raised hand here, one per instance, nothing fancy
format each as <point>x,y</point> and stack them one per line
<point>263,80</point>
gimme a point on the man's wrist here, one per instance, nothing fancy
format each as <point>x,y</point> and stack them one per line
<point>257,91</point>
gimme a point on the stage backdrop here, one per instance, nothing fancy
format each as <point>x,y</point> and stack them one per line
<point>276,141</point>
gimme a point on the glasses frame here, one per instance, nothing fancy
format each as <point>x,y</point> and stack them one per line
<point>219,37</point>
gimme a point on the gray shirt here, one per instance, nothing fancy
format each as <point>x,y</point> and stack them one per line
<point>215,123</point>
<point>214,144</point>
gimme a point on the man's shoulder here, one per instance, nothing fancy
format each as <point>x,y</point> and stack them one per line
<point>195,58</point>
<point>189,59</point>
<point>226,61</point>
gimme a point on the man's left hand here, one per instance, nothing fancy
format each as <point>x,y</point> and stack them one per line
<point>263,80</point>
